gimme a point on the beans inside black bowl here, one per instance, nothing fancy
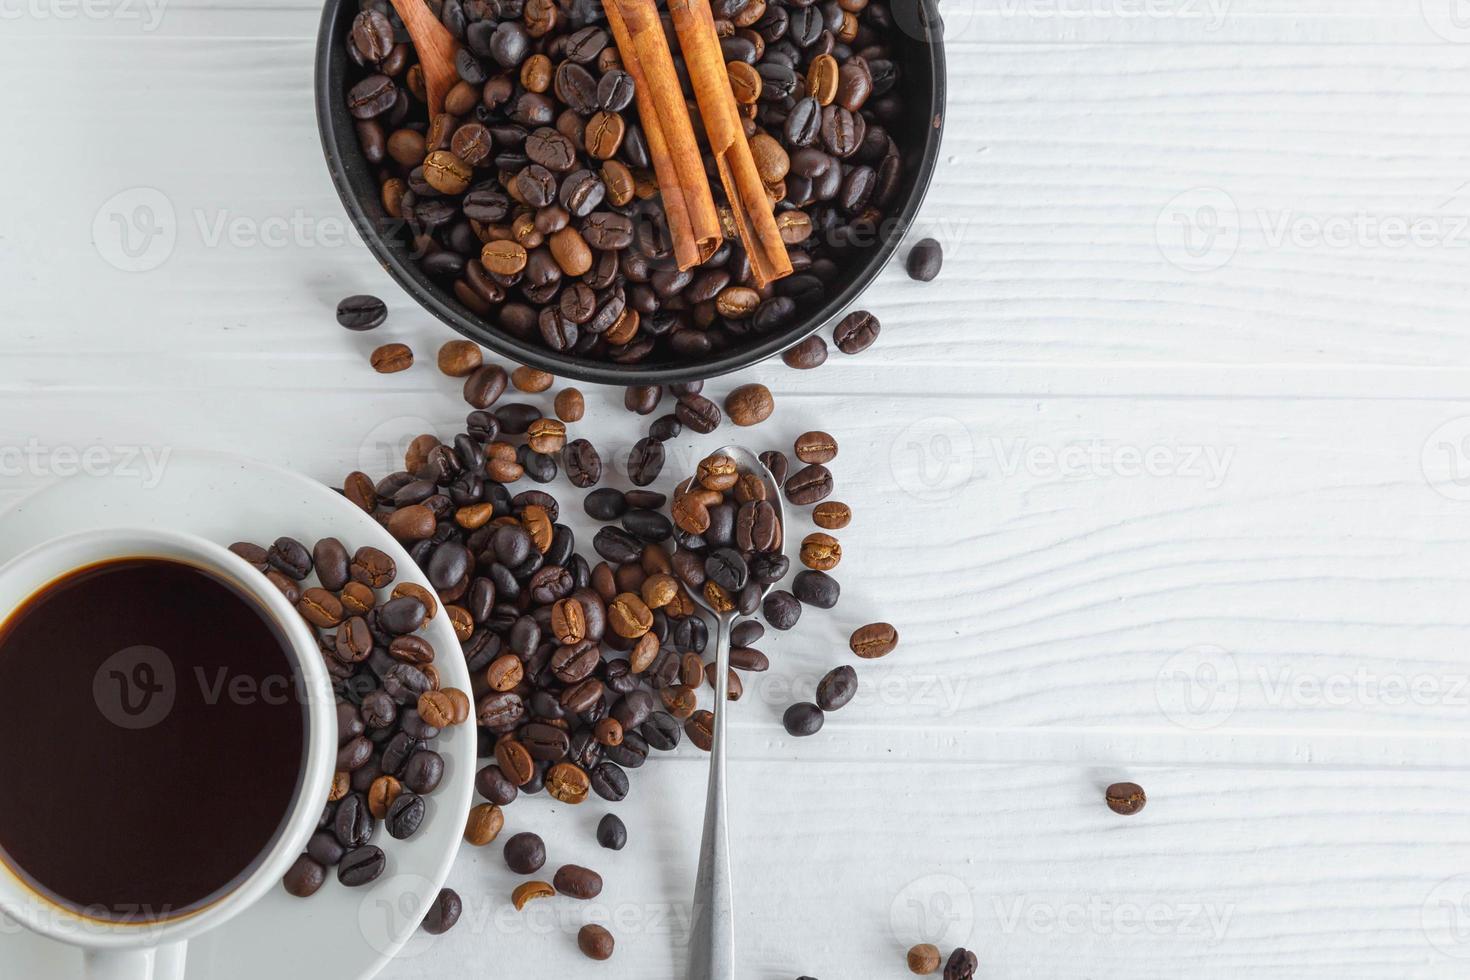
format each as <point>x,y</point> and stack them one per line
<point>526,216</point>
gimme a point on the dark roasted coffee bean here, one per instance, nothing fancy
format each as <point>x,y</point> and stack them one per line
<point>661,731</point>
<point>698,413</point>
<point>361,312</point>
<point>925,260</point>
<point>305,877</point>
<point>803,719</point>
<point>444,913</point>
<point>612,833</point>
<point>405,816</point>
<point>525,854</point>
<point>353,825</point>
<point>816,589</point>
<point>646,461</point>
<point>665,428</point>
<point>777,463</point>
<point>361,866</point>
<point>961,965</point>
<point>290,557</point>
<point>575,881</point>
<point>746,633</point>
<point>609,782</point>
<point>856,332</point>
<point>837,688</point>
<point>781,609</point>
<point>595,942</point>
<point>423,771</point>
<point>808,354</point>
<point>491,783</point>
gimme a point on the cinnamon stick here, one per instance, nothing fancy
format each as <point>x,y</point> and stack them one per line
<point>688,204</point>
<point>755,218</point>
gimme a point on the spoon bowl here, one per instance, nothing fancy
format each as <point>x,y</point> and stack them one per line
<point>712,941</point>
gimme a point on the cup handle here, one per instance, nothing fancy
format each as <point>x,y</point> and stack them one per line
<point>154,963</point>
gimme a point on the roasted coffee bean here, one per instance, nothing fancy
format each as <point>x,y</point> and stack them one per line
<point>816,447</point>
<point>808,354</point>
<point>781,609</point>
<point>809,485</point>
<point>361,866</point>
<point>575,881</point>
<point>803,719</point>
<point>567,783</point>
<point>353,824</point>
<point>856,332</point>
<point>665,428</point>
<point>595,942</point>
<point>832,515</point>
<point>961,965</point>
<point>612,833</point>
<point>746,633</point>
<point>305,877</point>
<point>405,816</point>
<point>925,260</point>
<point>646,461</point>
<point>821,552</point>
<point>837,688</point>
<point>525,853</point>
<point>362,312</point>
<point>443,914</point>
<point>484,824</point>
<point>609,781</point>
<point>873,641</point>
<point>605,504</point>
<point>700,729</point>
<point>750,404</point>
<point>423,771</point>
<point>777,463</point>
<point>289,557</point>
<point>1125,798</point>
<point>492,784</point>
<point>661,731</point>
<point>642,399</point>
<point>924,959</point>
<point>698,413</point>
<point>816,589</point>
<point>392,358</point>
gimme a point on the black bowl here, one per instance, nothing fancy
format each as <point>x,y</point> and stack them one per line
<point>920,51</point>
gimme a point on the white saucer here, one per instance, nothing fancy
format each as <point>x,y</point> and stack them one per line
<point>339,932</point>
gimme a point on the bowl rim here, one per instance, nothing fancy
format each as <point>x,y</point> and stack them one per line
<point>413,282</point>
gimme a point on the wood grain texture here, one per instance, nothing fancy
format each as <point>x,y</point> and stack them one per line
<point>1167,478</point>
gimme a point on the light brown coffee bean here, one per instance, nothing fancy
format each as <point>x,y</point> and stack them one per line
<point>536,73</point>
<point>568,622</point>
<point>1126,799</point>
<point>436,708</point>
<point>737,302</point>
<point>745,81</point>
<point>605,131</point>
<point>609,732</point>
<point>822,78</point>
<point>392,358</point>
<point>571,252</point>
<point>547,436</point>
<point>873,641</point>
<point>701,729</point>
<point>770,159</point>
<point>531,380</point>
<point>460,358</point>
<point>504,258</point>
<point>514,761</point>
<point>486,820</point>
<point>595,942</point>
<point>505,673</point>
<point>718,473</point>
<point>447,173</point>
<point>924,959</point>
<point>357,599</point>
<point>821,551</point>
<point>381,794</point>
<point>321,608</point>
<point>750,404</point>
<point>567,782</point>
<point>629,616</point>
<point>570,405</point>
<point>413,523</point>
<point>530,891</point>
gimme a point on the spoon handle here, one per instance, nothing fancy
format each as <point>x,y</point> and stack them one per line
<point>712,941</point>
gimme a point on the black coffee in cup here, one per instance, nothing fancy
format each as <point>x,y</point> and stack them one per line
<point>155,739</point>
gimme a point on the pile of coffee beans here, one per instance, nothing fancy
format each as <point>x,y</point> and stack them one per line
<point>532,196</point>
<point>391,705</point>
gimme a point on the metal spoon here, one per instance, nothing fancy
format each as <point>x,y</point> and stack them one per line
<point>712,941</point>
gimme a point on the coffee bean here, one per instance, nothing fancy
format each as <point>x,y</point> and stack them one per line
<point>698,413</point>
<point>961,965</point>
<point>831,515</point>
<point>525,854</point>
<point>595,942</point>
<point>608,780</point>
<point>305,877</point>
<point>816,589</point>
<point>362,312</point>
<point>484,824</point>
<point>821,552</point>
<point>529,891</point>
<point>700,729</point>
<point>575,881</point>
<point>816,447</point>
<point>443,914</point>
<point>1126,798</point>
<point>856,332</point>
<point>837,688</point>
<point>810,353</point>
<point>289,557</point>
<point>781,609</point>
<point>873,641</point>
<point>392,358</point>
<point>809,485</point>
<point>362,866</point>
<point>491,783</point>
<point>925,260</point>
<point>803,719</point>
<point>484,386</point>
<point>750,404</point>
<point>611,833</point>
<point>777,463</point>
<point>645,462</point>
<point>642,399</point>
<point>923,959</point>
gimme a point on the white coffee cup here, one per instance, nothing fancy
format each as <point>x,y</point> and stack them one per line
<point>154,950</point>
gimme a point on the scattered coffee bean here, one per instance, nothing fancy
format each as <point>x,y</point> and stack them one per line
<point>750,404</point>
<point>362,866</point>
<point>595,942</point>
<point>485,822</point>
<point>529,891</point>
<point>575,881</point>
<point>525,853</point>
<point>803,719</point>
<point>810,353</point>
<point>781,609</point>
<point>460,358</point>
<point>816,589</point>
<point>809,485</point>
<point>444,913</point>
<point>611,833</point>
<point>361,312</point>
<point>1126,798</point>
<point>816,447</point>
<point>856,332</point>
<point>570,405</point>
<point>531,380</point>
<point>831,515</point>
<point>961,965</point>
<point>873,641</point>
<point>837,689</point>
<point>924,959</point>
<point>305,877</point>
<point>925,260</point>
<point>392,358</point>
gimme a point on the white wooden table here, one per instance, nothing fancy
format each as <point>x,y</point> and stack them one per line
<point>1168,478</point>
